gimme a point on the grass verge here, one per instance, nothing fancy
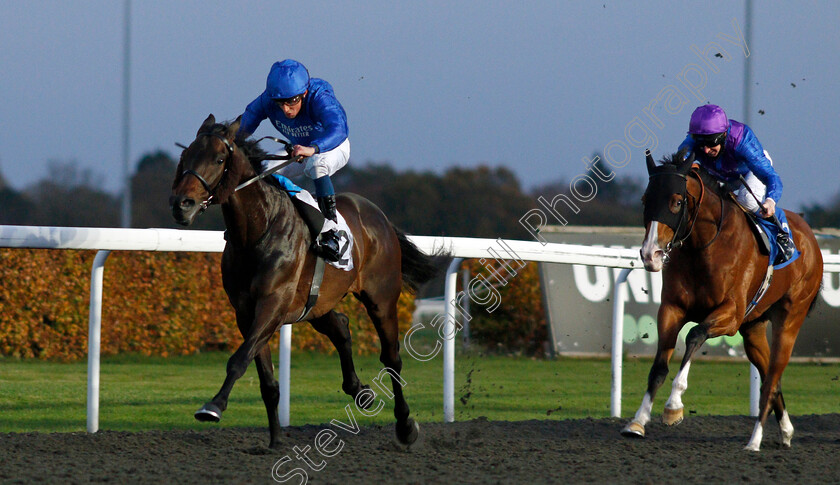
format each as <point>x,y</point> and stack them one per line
<point>145,393</point>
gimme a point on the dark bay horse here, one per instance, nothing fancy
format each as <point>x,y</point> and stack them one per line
<point>711,269</point>
<point>267,269</point>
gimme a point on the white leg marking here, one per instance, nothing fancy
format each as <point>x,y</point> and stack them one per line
<point>678,388</point>
<point>643,414</point>
<point>755,440</point>
<point>786,428</point>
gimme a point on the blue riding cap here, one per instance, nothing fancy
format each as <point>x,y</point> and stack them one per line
<point>287,79</point>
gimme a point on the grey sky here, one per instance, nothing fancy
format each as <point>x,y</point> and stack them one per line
<point>534,86</point>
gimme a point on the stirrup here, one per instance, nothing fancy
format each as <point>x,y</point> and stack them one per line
<point>786,248</point>
<point>326,246</point>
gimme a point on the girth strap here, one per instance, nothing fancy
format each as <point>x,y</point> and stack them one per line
<point>761,291</point>
<point>768,277</point>
<point>315,289</point>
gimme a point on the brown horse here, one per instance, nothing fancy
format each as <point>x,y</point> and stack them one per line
<point>712,268</point>
<point>267,269</point>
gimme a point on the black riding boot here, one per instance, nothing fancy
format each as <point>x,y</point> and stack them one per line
<point>786,248</point>
<point>326,244</point>
<point>314,220</point>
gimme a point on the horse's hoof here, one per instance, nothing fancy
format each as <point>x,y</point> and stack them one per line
<point>409,433</point>
<point>672,417</point>
<point>633,430</point>
<point>209,413</point>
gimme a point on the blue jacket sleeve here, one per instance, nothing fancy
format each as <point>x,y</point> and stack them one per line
<point>752,152</point>
<point>251,118</point>
<point>327,110</point>
<point>687,145</point>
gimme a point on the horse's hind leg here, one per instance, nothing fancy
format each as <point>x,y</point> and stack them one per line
<point>335,326</point>
<point>383,313</point>
<point>758,352</point>
<point>785,329</point>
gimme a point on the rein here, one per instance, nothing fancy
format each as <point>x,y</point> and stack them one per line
<point>231,148</point>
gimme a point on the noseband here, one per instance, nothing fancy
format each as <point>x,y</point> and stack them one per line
<point>211,190</point>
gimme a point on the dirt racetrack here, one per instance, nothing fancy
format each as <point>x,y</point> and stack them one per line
<point>701,449</point>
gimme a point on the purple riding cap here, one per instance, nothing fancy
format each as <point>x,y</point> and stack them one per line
<point>708,119</point>
<point>741,152</point>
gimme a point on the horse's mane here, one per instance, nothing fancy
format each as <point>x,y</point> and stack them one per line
<point>709,180</point>
<point>253,154</point>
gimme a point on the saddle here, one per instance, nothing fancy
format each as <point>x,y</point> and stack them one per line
<point>766,244</point>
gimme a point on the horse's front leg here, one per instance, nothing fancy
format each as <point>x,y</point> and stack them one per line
<point>256,335</point>
<point>669,322</point>
<point>720,322</point>
<point>270,391</point>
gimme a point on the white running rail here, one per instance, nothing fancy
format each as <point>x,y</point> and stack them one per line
<point>105,240</point>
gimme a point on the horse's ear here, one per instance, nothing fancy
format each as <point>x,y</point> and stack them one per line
<point>234,127</point>
<point>681,155</point>
<point>208,123</point>
<point>685,167</point>
<point>651,165</point>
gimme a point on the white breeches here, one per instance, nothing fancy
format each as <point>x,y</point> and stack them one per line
<point>320,164</point>
<point>758,188</point>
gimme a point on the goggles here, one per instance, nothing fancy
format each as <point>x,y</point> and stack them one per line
<point>280,102</point>
<point>709,140</point>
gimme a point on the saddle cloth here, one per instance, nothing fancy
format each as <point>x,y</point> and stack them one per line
<point>345,237</point>
<point>766,232</point>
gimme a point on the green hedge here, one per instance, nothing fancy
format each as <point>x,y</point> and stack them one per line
<point>154,303</point>
<point>172,303</point>
<point>517,324</point>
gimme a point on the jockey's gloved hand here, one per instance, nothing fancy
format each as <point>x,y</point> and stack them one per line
<point>768,208</point>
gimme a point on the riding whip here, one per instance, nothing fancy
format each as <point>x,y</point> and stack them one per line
<point>773,217</point>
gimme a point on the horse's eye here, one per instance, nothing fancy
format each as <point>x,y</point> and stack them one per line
<point>220,161</point>
<point>675,205</point>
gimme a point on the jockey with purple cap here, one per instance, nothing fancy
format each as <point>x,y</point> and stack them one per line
<point>729,150</point>
<point>306,112</point>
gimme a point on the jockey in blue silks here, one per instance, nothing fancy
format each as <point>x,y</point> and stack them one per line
<point>730,150</point>
<point>306,112</point>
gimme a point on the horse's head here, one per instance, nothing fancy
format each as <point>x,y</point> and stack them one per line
<point>664,207</point>
<point>208,171</point>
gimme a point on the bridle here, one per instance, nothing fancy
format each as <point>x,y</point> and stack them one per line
<point>211,191</point>
<point>231,149</point>
<point>677,241</point>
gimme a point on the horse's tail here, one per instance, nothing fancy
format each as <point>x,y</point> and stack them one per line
<point>816,297</point>
<point>417,267</point>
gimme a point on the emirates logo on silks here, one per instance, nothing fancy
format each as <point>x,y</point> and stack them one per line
<point>293,131</point>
